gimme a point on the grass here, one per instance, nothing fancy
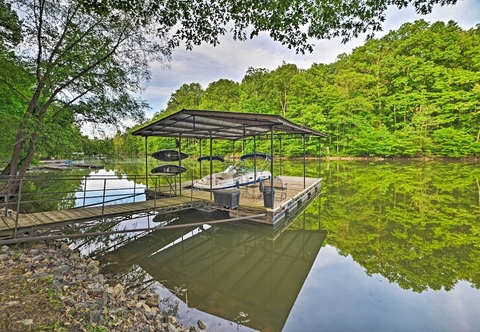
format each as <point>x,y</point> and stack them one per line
<point>23,297</point>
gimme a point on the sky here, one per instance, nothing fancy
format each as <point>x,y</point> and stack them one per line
<point>231,59</point>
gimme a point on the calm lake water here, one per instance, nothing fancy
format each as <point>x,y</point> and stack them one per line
<point>387,246</point>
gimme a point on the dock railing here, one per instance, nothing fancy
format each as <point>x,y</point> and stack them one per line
<point>46,193</point>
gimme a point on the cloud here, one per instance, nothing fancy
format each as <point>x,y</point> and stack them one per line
<point>230,60</point>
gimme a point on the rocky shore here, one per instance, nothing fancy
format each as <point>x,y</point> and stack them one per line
<point>46,286</point>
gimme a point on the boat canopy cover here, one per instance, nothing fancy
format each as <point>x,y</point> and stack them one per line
<point>218,158</point>
<point>204,124</point>
<point>256,155</point>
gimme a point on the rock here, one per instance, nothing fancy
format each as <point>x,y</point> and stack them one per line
<point>172,320</point>
<point>201,326</point>
<point>171,328</point>
<point>13,303</point>
<point>82,305</point>
<point>3,257</point>
<point>5,248</point>
<point>62,269</point>
<point>153,300</point>
<point>64,247</point>
<point>96,317</point>
<point>25,321</point>
<point>146,308</point>
<point>93,263</point>
<point>118,290</point>
<point>192,329</point>
<point>150,315</point>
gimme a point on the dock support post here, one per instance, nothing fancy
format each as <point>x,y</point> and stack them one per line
<point>103,199</point>
<point>304,162</point>
<point>271,162</point>
<point>146,163</point>
<point>255,159</point>
<point>18,207</point>
<point>134,187</point>
<point>179,145</point>
<point>281,168</point>
<point>319,158</point>
<point>84,191</point>
<point>211,166</point>
<point>8,195</point>
<point>200,157</point>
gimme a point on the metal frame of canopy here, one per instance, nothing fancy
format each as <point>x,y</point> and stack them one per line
<point>208,124</point>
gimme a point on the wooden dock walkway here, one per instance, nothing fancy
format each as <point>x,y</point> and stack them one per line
<point>251,203</point>
<point>50,218</point>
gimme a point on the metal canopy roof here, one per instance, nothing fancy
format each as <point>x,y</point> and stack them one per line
<point>221,125</point>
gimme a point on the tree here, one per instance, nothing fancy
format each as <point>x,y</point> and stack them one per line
<point>10,29</point>
<point>290,22</point>
<point>83,63</point>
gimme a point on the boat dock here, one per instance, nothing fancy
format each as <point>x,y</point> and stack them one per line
<point>250,205</point>
<point>38,220</point>
<point>251,201</point>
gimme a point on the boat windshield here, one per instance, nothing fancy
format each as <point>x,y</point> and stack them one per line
<point>252,163</point>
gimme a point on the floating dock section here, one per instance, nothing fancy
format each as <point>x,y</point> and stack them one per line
<point>245,202</point>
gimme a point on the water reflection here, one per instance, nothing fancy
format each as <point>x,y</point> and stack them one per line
<point>402,253</point>
<point>228,269</point>
<point>416,224</point>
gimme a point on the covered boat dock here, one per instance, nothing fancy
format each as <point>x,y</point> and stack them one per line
<point>234,126</point>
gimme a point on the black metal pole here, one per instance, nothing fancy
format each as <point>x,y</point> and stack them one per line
<point>211,167</point>
<point>146,163</point>
<point>180,161</point>
<point>319,158</point>
<point>281,169</point>
<point>254,159</point>
<point>304,162</point>
<point>271,163</point>
<point>200,157</point>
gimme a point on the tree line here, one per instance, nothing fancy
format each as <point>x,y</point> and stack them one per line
<point>413,93</point>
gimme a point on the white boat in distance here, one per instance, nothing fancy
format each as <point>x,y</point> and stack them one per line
<point>245,172</point>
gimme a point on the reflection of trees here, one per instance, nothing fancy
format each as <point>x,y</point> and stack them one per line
<point>47,191</point>
<point>416,224</point>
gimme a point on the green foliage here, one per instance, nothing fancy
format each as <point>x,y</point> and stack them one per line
<point>80,67</point>
<point>289,22</point>
<point>10,26</point>
<point>412,93</point>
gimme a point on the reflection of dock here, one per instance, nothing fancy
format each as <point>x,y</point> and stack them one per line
<point>230,268</point>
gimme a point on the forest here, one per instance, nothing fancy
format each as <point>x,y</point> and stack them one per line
<point>413,93</point>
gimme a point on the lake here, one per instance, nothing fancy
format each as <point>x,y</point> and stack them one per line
<point>387,246</point>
